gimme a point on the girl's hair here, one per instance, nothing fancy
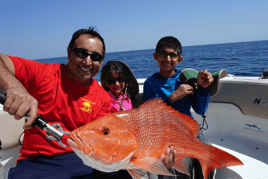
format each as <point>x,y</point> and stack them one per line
<point>117,66</point>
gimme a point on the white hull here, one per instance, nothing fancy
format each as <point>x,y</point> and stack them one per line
<point>237,122</point>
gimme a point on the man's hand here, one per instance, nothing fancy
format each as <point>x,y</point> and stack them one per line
<point>18,103</point>
<point>170,158</point>
<point>204,79</point>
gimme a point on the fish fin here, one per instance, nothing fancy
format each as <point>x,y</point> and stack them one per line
<point>152,165</point>
<point>138,174</point>
<point>218,159</point>
<point>157,103</point>
<point>182,165</point>
<point>150,103</point>
<point>191,122</point>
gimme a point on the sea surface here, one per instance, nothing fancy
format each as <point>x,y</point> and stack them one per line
<point>239,59</point>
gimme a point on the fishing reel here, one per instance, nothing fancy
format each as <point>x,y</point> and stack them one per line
<point>53,131</point>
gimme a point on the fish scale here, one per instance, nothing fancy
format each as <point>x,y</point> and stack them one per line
<point>135,139</point>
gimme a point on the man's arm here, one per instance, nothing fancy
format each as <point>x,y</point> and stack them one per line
<point>7,73</point>
<point>18,101</point>
<point>105,109</point>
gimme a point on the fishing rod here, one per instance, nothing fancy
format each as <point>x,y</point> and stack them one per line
<point>51,132</point>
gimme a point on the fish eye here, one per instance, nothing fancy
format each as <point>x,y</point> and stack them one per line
<point>105,131</point>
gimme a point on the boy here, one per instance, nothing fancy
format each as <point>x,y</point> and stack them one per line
<point>167,86</point>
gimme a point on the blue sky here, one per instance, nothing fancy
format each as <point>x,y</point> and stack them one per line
<point>42,29</point>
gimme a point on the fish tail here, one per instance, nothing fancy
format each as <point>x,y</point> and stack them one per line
<point>218,159</point>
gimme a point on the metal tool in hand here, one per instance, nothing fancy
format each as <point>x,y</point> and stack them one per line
<point>57,134</point>
<point>51,132</point>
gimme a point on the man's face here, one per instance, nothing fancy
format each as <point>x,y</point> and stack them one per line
<point>81,70</point>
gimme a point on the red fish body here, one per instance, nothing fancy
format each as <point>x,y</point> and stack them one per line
<point>136,139</point>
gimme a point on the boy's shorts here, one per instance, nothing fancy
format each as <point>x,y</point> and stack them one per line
<point>67,166</point>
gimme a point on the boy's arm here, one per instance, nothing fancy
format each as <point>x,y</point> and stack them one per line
<point>148,93</point>
<point>183,90</point>
<point>200,102</point>
<point>204,78</point>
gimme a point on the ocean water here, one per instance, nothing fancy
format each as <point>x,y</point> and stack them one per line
<point>240,59</point>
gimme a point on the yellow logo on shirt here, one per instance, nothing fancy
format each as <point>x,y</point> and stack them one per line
<point>87,106</point>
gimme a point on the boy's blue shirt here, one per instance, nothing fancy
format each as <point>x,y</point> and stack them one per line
<point>161,87</point>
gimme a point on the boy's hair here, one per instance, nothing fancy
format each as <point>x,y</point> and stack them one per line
<point>117,66</point>
<point>90,31</point>
<point>169,41</point>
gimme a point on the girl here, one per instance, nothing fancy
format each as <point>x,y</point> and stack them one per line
<point>121,84</point>
<point>117,78</point>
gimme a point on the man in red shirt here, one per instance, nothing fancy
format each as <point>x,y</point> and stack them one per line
<point>63,94</point>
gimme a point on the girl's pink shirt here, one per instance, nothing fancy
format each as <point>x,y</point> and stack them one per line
<point>115,107</point>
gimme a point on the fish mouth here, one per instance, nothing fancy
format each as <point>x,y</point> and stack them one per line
<point>72,143</point>
<point>76,143</point>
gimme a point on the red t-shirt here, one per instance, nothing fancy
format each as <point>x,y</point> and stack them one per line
<point>60,100</point>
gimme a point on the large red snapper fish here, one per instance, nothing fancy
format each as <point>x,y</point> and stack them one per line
<point>135,140</point>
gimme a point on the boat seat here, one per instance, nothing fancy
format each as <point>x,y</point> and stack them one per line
<point>11,130</point>
<point>139,100</point>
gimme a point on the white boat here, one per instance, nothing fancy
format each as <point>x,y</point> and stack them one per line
<point>237,119</point>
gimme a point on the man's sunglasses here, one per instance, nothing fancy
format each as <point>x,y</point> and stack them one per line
<point>83,53</point>
<point>164,54</point>
<point>112,81</point>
